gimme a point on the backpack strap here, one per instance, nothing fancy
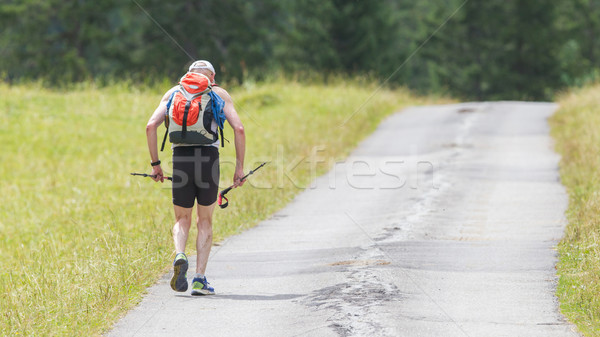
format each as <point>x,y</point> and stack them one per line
<point>185,116</point>
<point>162,147</point>
<point>166,118</point>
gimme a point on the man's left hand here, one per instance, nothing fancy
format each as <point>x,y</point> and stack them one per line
<point>237,177</point>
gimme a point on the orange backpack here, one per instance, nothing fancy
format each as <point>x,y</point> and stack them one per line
<point>190,112</point>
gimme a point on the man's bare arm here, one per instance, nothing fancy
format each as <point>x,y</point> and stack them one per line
<point>238,132</point>
<point>155,121</point>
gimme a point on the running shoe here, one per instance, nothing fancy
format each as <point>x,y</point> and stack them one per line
<point>180,267</point>
<point>200,286</point>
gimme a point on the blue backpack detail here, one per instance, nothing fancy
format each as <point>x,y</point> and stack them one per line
<point>217,107</point>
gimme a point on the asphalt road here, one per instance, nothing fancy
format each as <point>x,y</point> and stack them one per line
<point>443,223</point>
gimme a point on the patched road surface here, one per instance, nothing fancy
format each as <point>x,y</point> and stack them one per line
<point>443,223</point>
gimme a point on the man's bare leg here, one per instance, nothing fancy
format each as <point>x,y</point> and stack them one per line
<point>205,236</point>
<point>181,231</point>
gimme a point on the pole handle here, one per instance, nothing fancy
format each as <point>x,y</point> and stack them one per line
<point>149,175</point>
<point>223,192</point>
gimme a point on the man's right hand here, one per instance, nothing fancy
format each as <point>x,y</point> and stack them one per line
<point>157,173</point>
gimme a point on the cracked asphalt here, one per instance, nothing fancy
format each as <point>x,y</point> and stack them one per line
<point>444,222</point>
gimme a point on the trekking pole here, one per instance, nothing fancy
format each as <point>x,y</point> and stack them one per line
<point>223,192</point>
<point>149,176</point>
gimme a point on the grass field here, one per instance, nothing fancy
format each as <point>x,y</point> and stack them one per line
<point>81,239</point>
<point>576,128</point>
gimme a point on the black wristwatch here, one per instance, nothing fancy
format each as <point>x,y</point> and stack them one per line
<point>156,163</point>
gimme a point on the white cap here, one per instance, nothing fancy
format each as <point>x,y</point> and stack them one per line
<point>202,64</point>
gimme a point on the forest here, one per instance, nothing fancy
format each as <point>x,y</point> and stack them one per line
<point>469,49</point>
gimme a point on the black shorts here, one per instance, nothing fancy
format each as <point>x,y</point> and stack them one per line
<point>195,175</point>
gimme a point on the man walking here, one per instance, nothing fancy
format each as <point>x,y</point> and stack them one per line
<point>195,178</point>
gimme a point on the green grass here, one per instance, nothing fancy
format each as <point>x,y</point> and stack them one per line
<point>576,128</point>
<point>81,239</point>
